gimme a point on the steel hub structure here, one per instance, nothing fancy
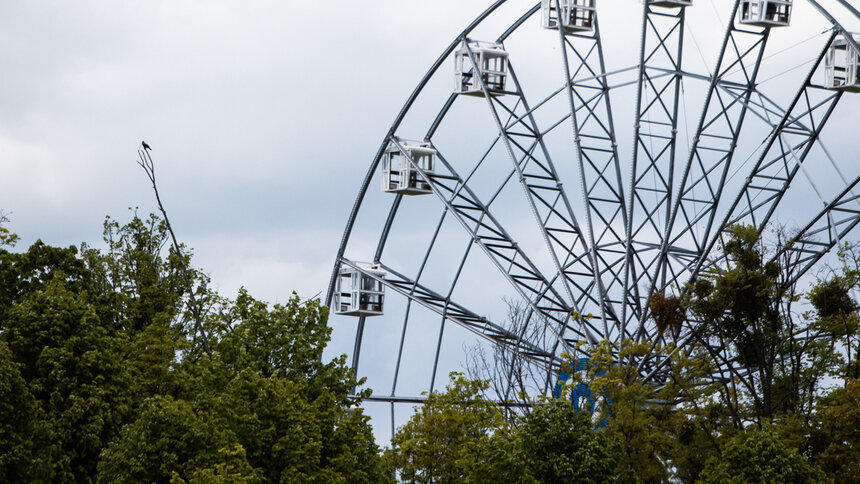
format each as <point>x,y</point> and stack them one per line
<point>571,178</point>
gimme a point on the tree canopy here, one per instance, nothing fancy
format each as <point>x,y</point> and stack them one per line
<point>104,378</point>
<point>111,372</point>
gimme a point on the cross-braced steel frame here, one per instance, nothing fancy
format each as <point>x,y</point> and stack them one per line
<point>603,244</point>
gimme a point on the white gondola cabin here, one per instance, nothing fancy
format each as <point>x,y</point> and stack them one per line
<point>671,3</point>
<point>842,65</point>
<point>399,175</point>
<point>359,293</point>
<point>765,13</point>
<point>491,60</point>
<point>575,16</point>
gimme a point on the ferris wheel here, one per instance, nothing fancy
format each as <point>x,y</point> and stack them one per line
<point>542,167</point>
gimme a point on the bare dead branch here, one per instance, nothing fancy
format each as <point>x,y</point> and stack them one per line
<point>145,162</point>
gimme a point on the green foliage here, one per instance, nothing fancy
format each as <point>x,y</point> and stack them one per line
<point>285,341</point>
<point>282,416</point>
<point>746,309</point>
<point>74,368</point>
<point>292,438</point>
<point>741,304</point>
<point>638,426</point>
<point>651,425</point>
<point>554,443</point>
<point>443,439</point>
<point>831,298</point>
<point>457,436</point>
<point>24,273</point>
<point>695,439</point>
<point>141,282</point>
<point>67,325</point>
<point>836,310</point>
<point>167,439</point>
<point>23,453</point>
<point>840,425</point>
<point>103,377</point>
<point>759,456</point>
<point>232,468</point>
<point>7,238</point>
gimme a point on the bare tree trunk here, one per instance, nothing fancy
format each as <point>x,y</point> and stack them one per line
<point>145,162</point>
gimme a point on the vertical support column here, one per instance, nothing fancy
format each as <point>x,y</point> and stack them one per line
<point>653,163</point>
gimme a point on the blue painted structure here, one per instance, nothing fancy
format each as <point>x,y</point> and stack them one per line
<point>580,392</point>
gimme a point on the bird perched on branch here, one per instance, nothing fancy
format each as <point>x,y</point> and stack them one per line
<point>145,146</point>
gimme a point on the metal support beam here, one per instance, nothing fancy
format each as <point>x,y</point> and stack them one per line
<point>459,314</point>
<point>543,190</point>
<point>599,168</point>
<point>499,246</point>
<point>653,165</point>
<point>710,157</point>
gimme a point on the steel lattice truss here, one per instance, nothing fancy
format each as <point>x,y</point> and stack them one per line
<point>609,222</point>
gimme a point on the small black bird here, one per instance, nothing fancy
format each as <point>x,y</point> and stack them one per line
<point>145,146</point>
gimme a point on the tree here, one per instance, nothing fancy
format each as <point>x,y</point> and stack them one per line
<point>555,443</point>
<point>105,374</point>
<point>441,442</point>
<point>23,449</point>
<point>837,310</point>
<point>74,369</point>
<point>291,438</point>
<point>287,407</point>
<point>840,426</point>
<point>637,416</point>
<point>774,363</point>
<point>263,407</point>
<point>22,274</point>
<point>513,377</point>
<point>232,468</point>
<point>697,437</point>
<point>67,330</point>
<point>740,310</point>
<point>168,440</point>
<point>778,361</point>
<point>6,237</point>
<point>759,456</point>
<point>663,431</point>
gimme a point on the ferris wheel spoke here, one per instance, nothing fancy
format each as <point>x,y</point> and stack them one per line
<point>820,235</point>
<point>597,157</point>
<point>655,134</point>
<point>784,152</point>
<point>836,24</point>
<point>418,276</point>
<point>792,143</point>
<point>766,109</point>
<point>504,253</point>
<point>850,8</point>
<point>713,146</point>
<point>456,313</point>
<point>544,192</point>
<point>782,156</point>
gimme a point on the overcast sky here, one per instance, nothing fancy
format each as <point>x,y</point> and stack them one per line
<point>263,115</point>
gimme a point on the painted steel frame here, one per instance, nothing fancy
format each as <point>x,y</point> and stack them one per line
<point>602,267</point>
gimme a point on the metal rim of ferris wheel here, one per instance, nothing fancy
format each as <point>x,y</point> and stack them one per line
<point>609,240</point>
